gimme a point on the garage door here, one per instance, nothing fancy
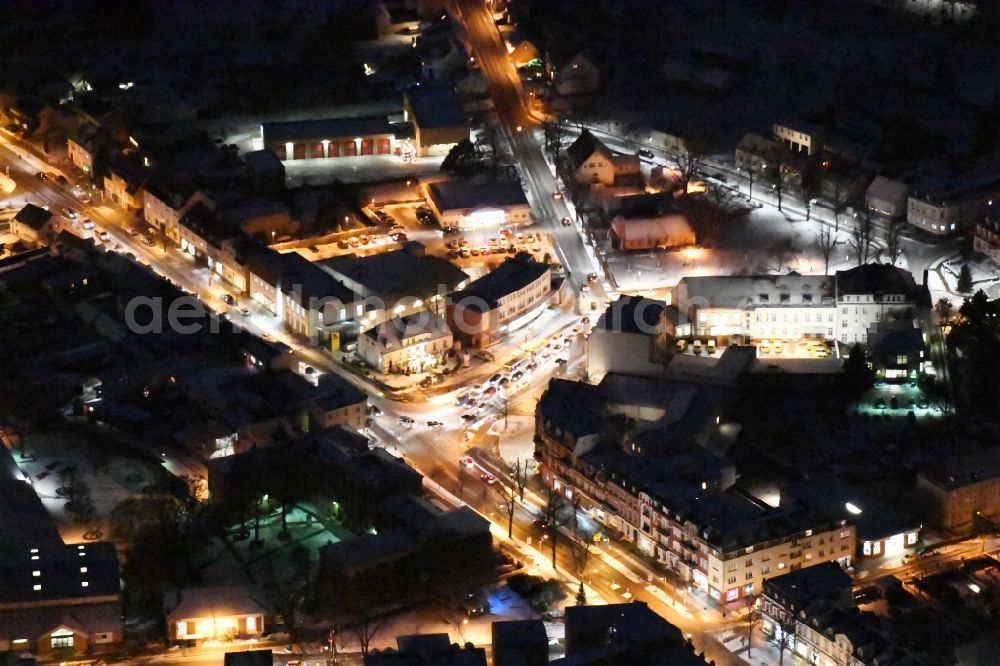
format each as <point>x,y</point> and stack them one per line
<point>300,150</point>
<point>279,150</point>
<point>383,147</point>
<point>350,150</point>
<point>316,150</point>
<point>367,146</point>
<point>333,150</point>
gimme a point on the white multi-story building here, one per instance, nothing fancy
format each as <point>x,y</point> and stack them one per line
<point>793,307</point>
<point>800,137</point>
<point>782,307</point>
<point>943,204</point>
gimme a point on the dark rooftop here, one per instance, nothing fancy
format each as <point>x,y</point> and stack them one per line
<point>821,581</point>
<point>512,275</point>
<point>332,128</point>
<point>633,314</point>
<point>458,195</point>
<point>33,216</point>
<point>435,108</point>
<point>396,274</point>
<point>879,279</point>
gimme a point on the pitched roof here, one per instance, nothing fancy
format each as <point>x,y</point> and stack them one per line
<point>393,332</point>
<point>878,279</point>
<point>512,275</point>
<point>652,228</point>
<point>396,274</point>
<point>585,145</point>
<point>632,314</point>
<point>33,216</point>
<point>195,602</point>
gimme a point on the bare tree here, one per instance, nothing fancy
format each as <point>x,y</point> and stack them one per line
<point>893,238</point>
<point>838,202</point>
<point>689,160</point>
<point>508,504</point>
<point>520,476</point>
<point>365,629</point>
<point>826,243</point>
<point>863,237</point>
<point>781,250</point>
<point>785,639</point>
<point>552,519</point>
<point>753,620</point>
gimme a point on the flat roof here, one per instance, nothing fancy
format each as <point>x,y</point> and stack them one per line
<point>457,195</point>
<point>324,128</point>
<point>436,108</point>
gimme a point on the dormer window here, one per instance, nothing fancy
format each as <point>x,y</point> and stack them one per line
<point>763,298</point>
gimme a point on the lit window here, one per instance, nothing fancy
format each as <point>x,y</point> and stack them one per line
<point>37,588</point>
<point>83,569</point>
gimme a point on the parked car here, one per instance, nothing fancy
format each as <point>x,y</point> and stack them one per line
<point>405,420</point>
<point>697,347</point>
<point>488,478</point>
<point>148,242</point>
<point>70,213</point>
<point>450,230</point>
<point>374,410</point>
<point>646,153</point>
<point>88,224</point>
<point>467,461</point>
<point>245,312</point>
<point>61,179</point>
<point>566,222</point>
<point>227,299</point>
<point>711,346</point>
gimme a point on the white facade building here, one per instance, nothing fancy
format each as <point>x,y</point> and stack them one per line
<point>792,307</point>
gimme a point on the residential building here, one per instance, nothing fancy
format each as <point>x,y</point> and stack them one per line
<point>966,488</point>
<point>123,186</point>
<point>887,197</point>
<point>588,161</point>
<point>309,300</point>
<point>792,306</point>
<point>500,301</point>
<point>520,643</point>
<point>577,76</point>
<point>34,225</point>
<point>753,152</point>
<point>427,650</point>
<point>800,137</point>
<point>756,307</point>
<point>410,343</point>
<point>475,206</point>
<point>215,613</point>
<point>338,403</point>
<point>898,351</point>
<point>874,294</point>
<point>331,138</point>
<point>632,337</point>
<point>439,122</point>
<point>945,202</point>
<point>164,206</point>
<point>986,237</point>
<point>815,609</point>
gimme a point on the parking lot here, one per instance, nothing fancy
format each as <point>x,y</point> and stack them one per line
<point>800,349</point>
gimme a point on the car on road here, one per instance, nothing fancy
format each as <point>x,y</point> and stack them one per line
<point>592,277</point>
<point>561,361</point>
<point>488,478</point>
<point>566,222</point>
<point>469,418</point>
<point>585,321</point>
<point>227,299</point>
<point>467,461</point>
<point>434,424</point>
<point>449,230</point>
<point>374,410</point>
<point>88,224</point>
<point>490,390</point>
<point>557,195</point>
<point>131,232</point>
<point>61,179</point>
<point>41,175</point>
<point>70,213</point>
<point>584,288</point>
<point>494,379</point>
<point>646,153</point>
<point>148,242</point>
<point>405,420</point>
<point>104,236</point>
